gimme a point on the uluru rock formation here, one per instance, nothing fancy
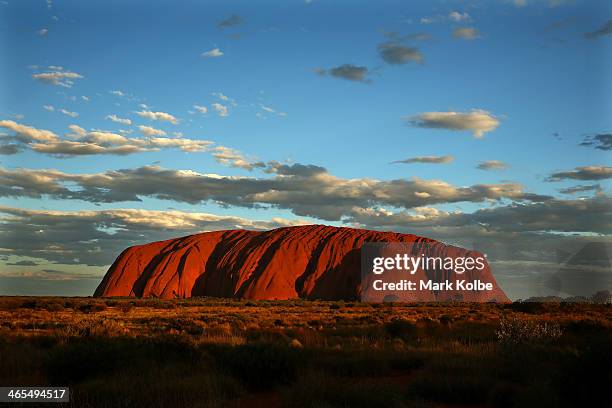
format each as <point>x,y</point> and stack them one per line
<point>311,261</point>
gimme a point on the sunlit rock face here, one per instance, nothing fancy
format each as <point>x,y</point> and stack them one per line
<point>310,262</point>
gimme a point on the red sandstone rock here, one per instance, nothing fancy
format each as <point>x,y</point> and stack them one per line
<point>313,262</point>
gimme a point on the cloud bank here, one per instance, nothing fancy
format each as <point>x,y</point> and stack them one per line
<point>305,190</point>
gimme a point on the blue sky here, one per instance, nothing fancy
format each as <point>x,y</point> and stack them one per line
<point>538,69</point>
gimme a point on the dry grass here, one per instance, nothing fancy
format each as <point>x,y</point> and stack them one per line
<point>215,352</point>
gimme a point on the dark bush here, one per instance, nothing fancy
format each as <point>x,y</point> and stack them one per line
<point>30,304</point>
<point>319,390</point>
<point>55,306</point>
<point>337,305</point>
<point>464,388</point>
<point>584,380</point>
<point>92,307</point>
<point>10,303</point>
<point>351,364</point>
<point>503,395</point>
<point>401,329</point>
<point>81,359</point>
<point>528,307</point>
<point>258,366</point>
<point>156,303</point>
<point>125,307</point>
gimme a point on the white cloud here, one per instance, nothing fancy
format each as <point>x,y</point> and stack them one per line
<point>43,32</point>
<point>306,190</point>
<point>58,77</point>
<point>427,159</point>
<point>186,145</point>
<point>149,131</point>
<point>585,215</point>
<point>221,110</point>
<point>102,138</point>
<point>349,72</point>
<point>431,20</point>
<point>459,17</point>
<point>231,157</point>
<point>478,121</point>
<point>77,131</point>
<point>162,116</point>
<point>28,133</point>
<point>117,119</point>
<point>394,53</point>
<point>466,33</point>
<point>200,109</point>
<point>272,110</point>
<point>492,165</point>
<point>551,3</point>
<point>214,53</point>
<point>583,173</point>
<point>49,108</point>
<point>221,96</point>
<point>94,142</point>
<point>68,113</point>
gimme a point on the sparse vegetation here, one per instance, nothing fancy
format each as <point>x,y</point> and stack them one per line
<point>233,353</point>
<point>514,331</point>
